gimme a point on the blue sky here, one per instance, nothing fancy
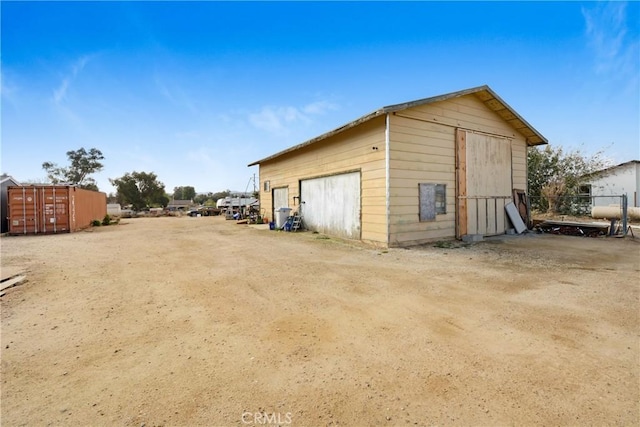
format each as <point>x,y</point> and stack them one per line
<point>194,91</point>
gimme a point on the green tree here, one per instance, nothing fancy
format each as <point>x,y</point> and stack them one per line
<point>210,199</point>
<point>554,175</point>
<point>221,195</point>
<point>184,193</point>
<point>140,190</point>
<point>201,199</point>
<point>112,198</point>
<point>83,164</point>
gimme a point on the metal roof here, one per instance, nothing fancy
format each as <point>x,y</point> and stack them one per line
<point>611,168</point>
<point>483,93</point>
<point>8,178</point>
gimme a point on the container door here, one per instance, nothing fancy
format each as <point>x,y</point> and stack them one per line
<point>55,215</point>
<point>23,210</point>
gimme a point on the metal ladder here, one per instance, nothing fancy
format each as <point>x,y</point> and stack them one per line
<point>296,224</point>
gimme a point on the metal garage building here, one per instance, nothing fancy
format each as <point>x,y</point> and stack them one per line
<point>409,173</point>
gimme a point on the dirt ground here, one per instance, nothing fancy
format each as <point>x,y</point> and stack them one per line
<point>199,321</point>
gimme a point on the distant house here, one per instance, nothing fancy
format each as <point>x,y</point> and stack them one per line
<point>6,181</point>
<point>615,181</point>
<point>433,168</point>
<point>180,205</point>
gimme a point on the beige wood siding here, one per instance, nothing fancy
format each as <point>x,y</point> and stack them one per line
<point>351,150</point>
<point>519,163</point>
<point>423,150</point>
<point>420,152</point>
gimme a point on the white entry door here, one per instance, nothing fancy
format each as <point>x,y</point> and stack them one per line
<point>331,204</point>
<point>280,199</point>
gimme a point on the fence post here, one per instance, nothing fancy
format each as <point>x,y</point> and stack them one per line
<point>624,214</point>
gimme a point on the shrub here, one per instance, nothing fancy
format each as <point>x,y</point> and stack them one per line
<point>106,220</point>
<point>96,223</point>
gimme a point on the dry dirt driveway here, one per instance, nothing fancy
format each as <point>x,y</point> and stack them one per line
<point>199,321</point>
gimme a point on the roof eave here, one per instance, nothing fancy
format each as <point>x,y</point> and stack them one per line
<point>611,168</point>
<point>10,178</point>
<point>532,136</point>
<point>336,131</point>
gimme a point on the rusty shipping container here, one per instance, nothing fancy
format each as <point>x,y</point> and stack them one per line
<point>47,209</point>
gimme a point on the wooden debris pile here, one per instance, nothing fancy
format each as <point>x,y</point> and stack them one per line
<point>10,278</point>
<point>572,228</point>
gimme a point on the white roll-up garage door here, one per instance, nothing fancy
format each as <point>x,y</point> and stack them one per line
<point>331,204</point>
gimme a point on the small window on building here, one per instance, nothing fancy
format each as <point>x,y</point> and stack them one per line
<point>267,186</point>
<point>433,201</point>
<point>584,192</point>
<point>441,199</point>
<point>584,199</point>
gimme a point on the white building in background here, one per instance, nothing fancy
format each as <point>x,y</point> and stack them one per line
<point>114,209</point>
<point>616,181</point>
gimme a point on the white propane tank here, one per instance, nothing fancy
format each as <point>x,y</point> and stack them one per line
<point>611,212</point>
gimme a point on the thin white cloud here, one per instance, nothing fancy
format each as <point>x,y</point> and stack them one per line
<point>139,157</point>
<point>275,119</point>
<point>60,93</point>
<point>8,88</point>
<point>615,54</point>
<point>175,94</point>
<point>164,91</point>
<point>279,120</point>
<point>202,155</point>
<point>319,107</point>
